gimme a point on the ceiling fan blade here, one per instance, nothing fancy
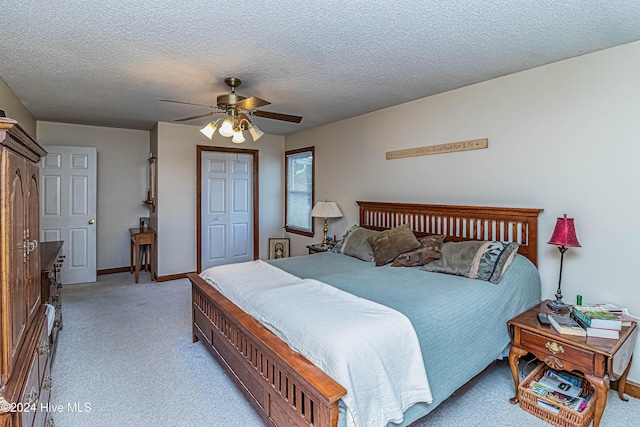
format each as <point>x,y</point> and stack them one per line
<point>196,117</point>
<point>252,103</point>
<point>277,116</point>
<point>188,103</point>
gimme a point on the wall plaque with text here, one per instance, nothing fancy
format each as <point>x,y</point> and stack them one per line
<point>474,144</point>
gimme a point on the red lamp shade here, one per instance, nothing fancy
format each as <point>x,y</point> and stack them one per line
<point>564,233</point>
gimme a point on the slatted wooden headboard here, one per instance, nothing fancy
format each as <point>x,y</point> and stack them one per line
<point>458,223</point>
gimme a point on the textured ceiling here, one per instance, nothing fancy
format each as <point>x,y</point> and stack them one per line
<point>108,63</point>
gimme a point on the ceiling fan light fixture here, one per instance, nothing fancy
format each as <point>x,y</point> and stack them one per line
<point>210,129</point>
<point>226,129</point>
<point>256,133</point>
<point>238,137</point>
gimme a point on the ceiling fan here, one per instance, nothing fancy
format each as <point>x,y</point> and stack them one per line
<point>237,108</point>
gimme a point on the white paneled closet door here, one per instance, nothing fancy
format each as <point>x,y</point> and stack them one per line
<point>227,208</point>
<point>68,178</point>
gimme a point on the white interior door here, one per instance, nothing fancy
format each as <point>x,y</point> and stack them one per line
<point>68,208</point>
<point>227,208</point>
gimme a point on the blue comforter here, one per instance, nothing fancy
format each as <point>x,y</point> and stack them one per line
<point>460,322</point>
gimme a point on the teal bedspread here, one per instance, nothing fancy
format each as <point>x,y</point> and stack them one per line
<point>460,322</point>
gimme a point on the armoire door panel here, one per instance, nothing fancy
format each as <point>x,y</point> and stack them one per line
<point>13,272</point>
<point>33,237</point>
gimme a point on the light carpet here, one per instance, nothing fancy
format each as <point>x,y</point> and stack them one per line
<point>125,358</point>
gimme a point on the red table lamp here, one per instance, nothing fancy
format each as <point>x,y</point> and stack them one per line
<point>564,236</point>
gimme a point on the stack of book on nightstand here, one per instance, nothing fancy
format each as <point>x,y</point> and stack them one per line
<point>559,389</point>
<point>566,325</point>
<point>602,320</point>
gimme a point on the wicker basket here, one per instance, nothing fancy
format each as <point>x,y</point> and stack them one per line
<point>565,417</point>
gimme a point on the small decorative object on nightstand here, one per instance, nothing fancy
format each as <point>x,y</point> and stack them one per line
<point>326,210</point>
<point>564,236</point>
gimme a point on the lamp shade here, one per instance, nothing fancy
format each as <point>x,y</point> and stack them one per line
<point>210,129</point>
<point>256,133</point>
<point>226,129</point>
<point>326,210</point>
<point>564,233</point>
<point>238,137</point>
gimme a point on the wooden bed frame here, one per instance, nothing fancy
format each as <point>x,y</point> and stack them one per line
<point>283,386</point>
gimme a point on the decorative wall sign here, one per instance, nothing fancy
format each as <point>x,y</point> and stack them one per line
<point>474,144</point>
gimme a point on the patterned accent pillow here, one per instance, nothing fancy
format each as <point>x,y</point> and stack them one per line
<point>356,244</point>
<point>482,260</point>
<point>388,244</point>
<point>428,251</point>
<point>338,246</point>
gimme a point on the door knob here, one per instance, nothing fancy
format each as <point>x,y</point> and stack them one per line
<point>91,221</point>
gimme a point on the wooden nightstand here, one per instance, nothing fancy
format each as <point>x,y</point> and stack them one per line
<point>317,248</point>
<point>599,359</point>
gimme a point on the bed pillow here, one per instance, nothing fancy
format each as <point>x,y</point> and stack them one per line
<point>483,260</point>
<point>338,246</point>
<point>388,244</point>
<point>428,251</point>
<point>355,244</point>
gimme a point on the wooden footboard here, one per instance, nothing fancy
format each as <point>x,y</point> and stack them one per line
<point>283,386</point>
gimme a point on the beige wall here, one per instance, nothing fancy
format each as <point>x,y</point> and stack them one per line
<point>122,182</point>
<point>564,137</point>
<point>14,109</point>
<point>175,146</point>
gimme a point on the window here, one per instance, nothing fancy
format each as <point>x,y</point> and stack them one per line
<point>299,176</point>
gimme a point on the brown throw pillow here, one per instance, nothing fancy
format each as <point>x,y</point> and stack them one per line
<point>428,251</point>
<point>389,244</point>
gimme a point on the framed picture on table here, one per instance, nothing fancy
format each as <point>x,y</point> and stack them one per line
<point>144,223</point>
<point>278,248</point>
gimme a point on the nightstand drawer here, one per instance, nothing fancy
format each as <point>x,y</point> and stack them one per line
<point>542,347</point>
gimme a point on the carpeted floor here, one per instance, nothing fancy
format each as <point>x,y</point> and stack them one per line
<point>125,358</point>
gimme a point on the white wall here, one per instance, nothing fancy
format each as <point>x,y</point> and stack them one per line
<point>176,210</point>
<point>14,109</point>
<point>563,137</point>
<point>122,181</point>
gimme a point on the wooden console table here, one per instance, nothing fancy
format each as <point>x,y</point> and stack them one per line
<point>145,239</point>
<point>599,359</point>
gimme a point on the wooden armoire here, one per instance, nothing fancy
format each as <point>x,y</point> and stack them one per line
<point>25,379</point>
